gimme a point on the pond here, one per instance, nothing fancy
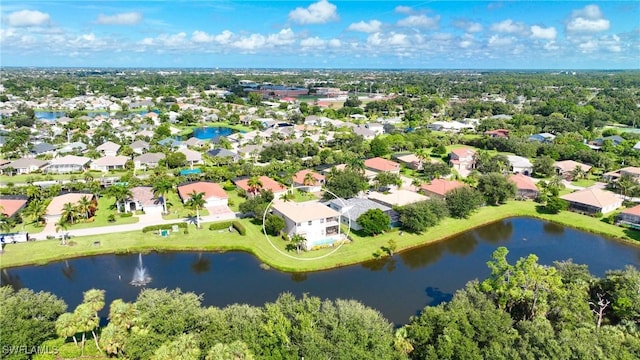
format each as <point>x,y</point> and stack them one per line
<point>208,132</point>
<point>398,287</point>
<point>53,115</point>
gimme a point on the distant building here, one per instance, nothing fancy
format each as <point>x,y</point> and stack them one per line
<point>318,223</point>
<point>592,201</point>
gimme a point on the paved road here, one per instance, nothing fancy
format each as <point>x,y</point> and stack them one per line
<point>215,214</point>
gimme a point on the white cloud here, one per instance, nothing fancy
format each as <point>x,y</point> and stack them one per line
<point>403,9</point>
<point>284,37</point>
<point>420,21</point>
<point>28,18</point>
<point>317,13</point>
<point>128,18</point>
<point>201,37</point>
<point>587,19</point>
<point>468,26</point>
<point>367,27</point>
<point>499,41</point>
<point>312,42</point>
<point>509,26</point>
<point>539,32</point>
<point>224,37</point>
<point>251,42</point>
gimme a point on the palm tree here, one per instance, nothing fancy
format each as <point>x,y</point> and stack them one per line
<point>62,225</point>
<point>288,196</point>
<point>84,206</point>
<point>255,185</point>
<point>298,240</point>
<point>36,209</point>
<point>95,300</point>
<point>577,173</point>
<point>66,326</point>
<point>161,186</point>
<point>309,179</point>
<point>356,164</point>
<point>69,212</point>
<point>121,193</point>
<point>87,320</point>
<point>196,202</point>
<point>6,223</point>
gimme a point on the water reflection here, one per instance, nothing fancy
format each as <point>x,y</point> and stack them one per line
<point>8,278</point>
<point>388,263</point>
<point>463,244</point>
<point>68,270</point>
<point>201,264</point>
<point>553,228</point>
<point>299,277</point>
<point>497,232</point>
<point>437,296</point>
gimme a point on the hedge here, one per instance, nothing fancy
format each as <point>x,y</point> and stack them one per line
<point>126,215</point>
<point>220,225</point>
<point>239,228</point>
<point>163,227</point>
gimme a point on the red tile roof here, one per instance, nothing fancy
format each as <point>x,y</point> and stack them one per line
<point>523,182</point>
<point>632,211</point>
<point>441,186</point>
<point>463,152</point>
<point>298,177</point>
<point>381,164</point>
<point>267,184</point>
<point>11,206</point>
<point>210,190</point>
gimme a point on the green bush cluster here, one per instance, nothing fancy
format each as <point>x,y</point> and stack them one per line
<point>126,215</point>
<point>146,229</point>
<point>220,225</point>
<point>239,228</point>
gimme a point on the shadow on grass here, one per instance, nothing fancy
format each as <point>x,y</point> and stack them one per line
<point>632,234</point>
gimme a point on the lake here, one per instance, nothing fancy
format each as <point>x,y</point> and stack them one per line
<point>208,132</point>
<point>398,287</point>
<point>53,115</point>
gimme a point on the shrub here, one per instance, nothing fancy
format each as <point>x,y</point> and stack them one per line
<point>163,227</point>
<point>126,215</point>
<point>220,225</point>
<point>239,228</point>
<point>186,231</point>
<point>111,218</point>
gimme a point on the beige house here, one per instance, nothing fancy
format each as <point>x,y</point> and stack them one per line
<point>67,164</point>
<point>593,201</point>
<point>54,210</point>
<point>108,163</point>
<point>462,159</point>
<point>630,217</point>
<point>438,188</point>
<point>565,168</point>
<point>318,223</point>
<point>108,148</point>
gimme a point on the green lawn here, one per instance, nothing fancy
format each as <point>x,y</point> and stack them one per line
<point>584,182</point>
<point>101,218</point>
<point>27,178</point>
<point>177,210</point>
<point>302,196</point>
<point>28,226</point>
<point>361,249</point>
<point>235,200</point>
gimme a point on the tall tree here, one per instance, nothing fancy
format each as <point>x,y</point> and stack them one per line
<point>496,188</point>
<point>161,186</point>
<point>196,202</point>
<point>255,185</point>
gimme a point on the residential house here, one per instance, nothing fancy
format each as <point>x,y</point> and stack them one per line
<point>396,197</point>
<point>631,171</point>
<point>317,180</point>
<point>139,146</point>
<point>147,161</point>
<point>67,164</point>
<point>319,224</point>
<point>497,133</point>
<point>593,200</point>
<point>224,154</point>
<point>42,149</point>
<point>519,164</point>
<point>351,209</point>
<point>462,159</point>
<point>615,140</point>
<point>193,157</point>
<point>377,128</point>
<point>565,168</point>
<point>142,198</point>
<point>630,217</point>
<point>172,143</point>
<point>542,137</point>
<point>109,163</point>
<point>267,184</point>
<point>449,126</point>
<point>379,165</point>
<point>10,206</point>
<point>54,209</point>
<point>526,188</point>
<point>438,188</point>
<point>108,148</point>
<point>195,142</point>
<point>366,133</point>
<point>214,194</point>
<point>409,160</point>
<point>23,166</point>
<point>77,146</point>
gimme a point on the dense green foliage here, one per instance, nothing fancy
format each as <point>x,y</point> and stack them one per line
<point>463,201</point>
<point>496,188</point>
<point>345,184</point>
<point>374,221</point>
<point>419,216</point>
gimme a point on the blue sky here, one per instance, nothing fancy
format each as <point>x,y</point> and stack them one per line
<point>322,34</point>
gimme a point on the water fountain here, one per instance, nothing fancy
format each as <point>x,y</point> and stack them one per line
<point>140,276</point>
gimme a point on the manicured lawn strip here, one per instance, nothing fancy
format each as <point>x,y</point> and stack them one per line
<point>101,217</point>
<point>234,200</point>
<point>583,182</point>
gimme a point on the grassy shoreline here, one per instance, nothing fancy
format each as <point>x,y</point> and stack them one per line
<point>362,249</point>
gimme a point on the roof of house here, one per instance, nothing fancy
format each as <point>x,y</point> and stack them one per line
<point>210,190</point>
<point>354,207</point>
<point>144,195</point>
<point>24,163</point>
<point>299,177</point>
<point>267,184</point>
<point>193,141</point>
<point>441,186</point>
<point>519,161</point>
<point>70,160</point>
<point>109,160</point>
<point>149,158</point>
<point>10,207</point>
<point>632,211</point>
<point>631,170</point>
<point>222,153</point>
<point>191,154</point>
<point>57,203</point>
<point>463,152</point>
<point>304,211</point>
<point>523,182</point>
<point>397,197</point>
<point>570,165</point>
<point>40,148</point>
<point>139,144</point>
<point>380,164</point>
<point>108,146</point>
<point>593,197</point>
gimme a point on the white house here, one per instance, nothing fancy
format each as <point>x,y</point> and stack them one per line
<point>214,194</point>
<point>108,148</point>
<point>67,164</point>
<point>143,199</point>
<point>520,164</point>
<point>319,224</point>
<point>108,163</point>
